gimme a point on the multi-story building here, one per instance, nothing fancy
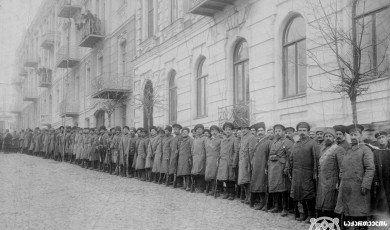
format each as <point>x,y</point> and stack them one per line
<point>196,61</point>
<point>76,64</point>
<point>212,61</point>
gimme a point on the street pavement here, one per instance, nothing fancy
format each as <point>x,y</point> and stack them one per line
<point>43,194</point>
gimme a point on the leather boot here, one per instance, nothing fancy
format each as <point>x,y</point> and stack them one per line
<point>284,204</point>
<point>305,212</point>
<point>207,190</point>
<point>311,210</point>
<point>276,208</point>
<point>261,204</point>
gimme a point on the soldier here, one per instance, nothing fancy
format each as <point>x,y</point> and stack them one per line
<point>228,161</point>
<point>199,158</point>
<point>185,145</point>
<point>213,149</point>
<point>84,151</point>
<point>166,143</point>
<point>370,137</point>
<point>52,144</point>
<point>140,154</point>
<point>290,133</point>
<point>157,156</point>
<point>340,136</point>
<point>174,154</point>
<point>115,145</point>
<point>7,142</point>
<point>131,159</point>
<point>93,154</point>
<point>60,144</point>
<point>312,135</point>
<point>46,144</point>
<point>382,174</point>
<point>76,144</point>
<point>319,136</point>
<point>303,165</point>
<point>108,158</point>
<point>253,130</point>
<point>357,173</point>
<point>207,133</point>
<point>153,143</point>
<point>79,146</point>
<point>278,174</point>
<point>102,146</point>
<point>247,148</point>
<point>329,163</point>
<point>27,140</point>
<point>259,182</point>
<point>37,143</point>
<point>124,149</point>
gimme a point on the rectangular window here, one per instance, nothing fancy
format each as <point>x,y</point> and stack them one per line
<point>150,18</point>
<point>373,34</point>
<point>100,66</point>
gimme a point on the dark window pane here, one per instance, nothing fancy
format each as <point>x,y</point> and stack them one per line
<point>296,30</point>
<point>302,81</point>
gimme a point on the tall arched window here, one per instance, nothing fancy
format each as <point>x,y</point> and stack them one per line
<point>172,97</point>
<point>241,72</point>
<point>201,82</point>
<point>294,57</point>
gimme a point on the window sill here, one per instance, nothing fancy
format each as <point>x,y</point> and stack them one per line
<point>293,97</point>
<point>200,117</point>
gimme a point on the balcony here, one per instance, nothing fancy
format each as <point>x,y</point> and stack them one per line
<point>48,40</point>
<point>91,31</point>
<point>68,8</point>
<point>239,114</point>
<point>69,108</point>
<point>45,76</point>
<point>29,95</point>
<point>208,7</point>
<point>110,86</point>
<point>30,61</point>
<point>46,119</point>
<point>67,57</point>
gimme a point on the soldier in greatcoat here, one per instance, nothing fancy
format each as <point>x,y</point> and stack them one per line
<point>228,161</point>
<point>278,174</point>
<point>199,158</point>
<point>27,140</point>
<point>329,164</point>
<point>213,149</point>
<point>185,145</point>
<point>153,143</point>
<point>52,144</point>
<point>247,148</point>
<point>32,142</point>
<point>46,143</point>
<point>79,146</point>
<point>124,149</point>
<point>60,144</point>
<point>108,158</point>
<point>140,154</point>
<point>303,169</point>
<point>102,146</point>
<point>259,182</point>
<point>157,161</point>
<point>382,174</point>
<point>115,148</point>
<point>357,173</point>
<point>67,143</point>
<point>174,154</point>
<point>130,158</point>
<point>84,150</point>
<point>166,152</point>
<point>37,143</point>
<point>340,136</point>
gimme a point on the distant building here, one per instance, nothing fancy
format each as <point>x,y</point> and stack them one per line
<point>203,61</point>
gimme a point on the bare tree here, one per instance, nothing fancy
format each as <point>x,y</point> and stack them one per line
<point>150,98</point>
<point>348,56</point>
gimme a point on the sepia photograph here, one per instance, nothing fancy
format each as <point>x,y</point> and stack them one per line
<point>195,114</point>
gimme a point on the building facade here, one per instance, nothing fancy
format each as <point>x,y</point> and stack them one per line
<point>197,61</point>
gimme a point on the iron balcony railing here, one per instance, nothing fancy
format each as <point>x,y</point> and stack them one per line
<point>69,108</point>
<point>68,56</point>
<point>68,8</point>
<point>239,114</point>
<point>109,86</point>
<point>91,31</point>
<point>46,119</point>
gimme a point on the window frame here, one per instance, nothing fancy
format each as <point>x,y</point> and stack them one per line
<point>245,77</point>
<point>172,97</point>
<point>285,46</point>
<point>201,81</point>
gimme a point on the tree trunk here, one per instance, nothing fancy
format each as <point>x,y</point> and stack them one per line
<point>354,110</point>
